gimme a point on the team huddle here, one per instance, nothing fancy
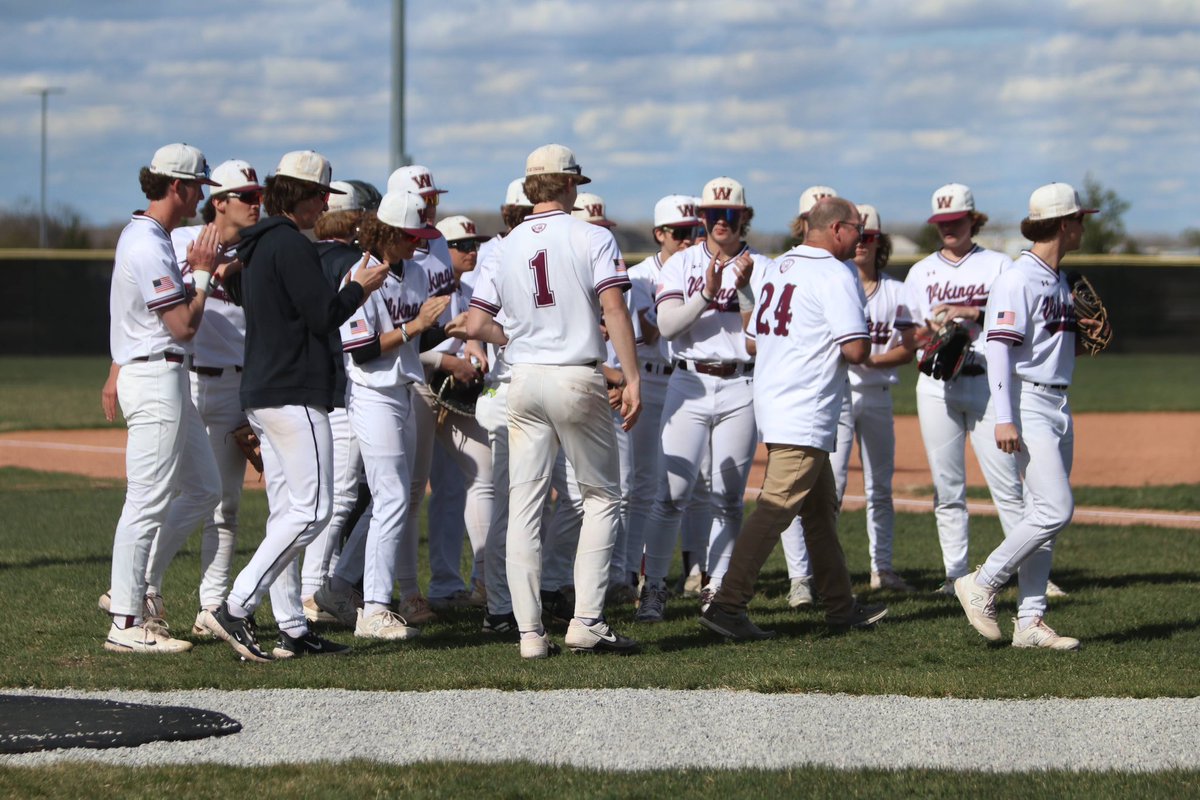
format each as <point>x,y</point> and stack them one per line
<point>382,357</point>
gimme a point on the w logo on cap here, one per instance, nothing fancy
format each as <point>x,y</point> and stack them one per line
<point>250,174</point>
<point>689,209</point>
<point>469,227</point>
<point>423,180</point>
<point>594,210</point>
<point>945,201</point>
<point>722,192</point>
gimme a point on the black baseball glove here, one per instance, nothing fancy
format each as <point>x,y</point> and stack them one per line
<point>453,396</point>
<point>946,353</point>
<point>1088,305</point>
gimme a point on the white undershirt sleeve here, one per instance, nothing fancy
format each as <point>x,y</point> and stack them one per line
<point>676,317</point>
<point>1000,379</point>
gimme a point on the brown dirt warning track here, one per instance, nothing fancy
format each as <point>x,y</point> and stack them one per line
<point>1110,450</point>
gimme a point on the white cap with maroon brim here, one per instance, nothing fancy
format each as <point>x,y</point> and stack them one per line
<point>406,210</point>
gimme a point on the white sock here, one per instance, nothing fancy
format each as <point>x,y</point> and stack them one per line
<point>295,630</point>
<point>371,609</point>
<point>1025,622</point>
<point>539,633</point>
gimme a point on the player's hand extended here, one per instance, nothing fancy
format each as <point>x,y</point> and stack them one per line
<point>202,252</point>
<point>229,267</point>
<point>743,268</point>
<point>712,277</point>
<point>477,355</point>
<point>370,278</point>
<point>431,309</point>
<point>1008,438</point>
<point>463,370</point>
<point>457,327</point>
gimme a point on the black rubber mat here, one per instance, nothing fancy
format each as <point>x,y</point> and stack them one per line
<point>30,724</point>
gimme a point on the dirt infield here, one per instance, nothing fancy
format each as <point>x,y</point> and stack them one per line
<point>1110,450</point>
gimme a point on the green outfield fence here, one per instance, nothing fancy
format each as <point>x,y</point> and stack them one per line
<point>58,300</point>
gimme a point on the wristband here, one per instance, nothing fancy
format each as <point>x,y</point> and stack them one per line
<point>745,299</point>
<point>705,297</point>
<point>404,333</point>
<point>203,280</point>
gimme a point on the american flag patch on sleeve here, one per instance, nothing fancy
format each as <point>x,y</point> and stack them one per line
<point>358,327</point>
<point>1006,318</point>
<point>163,284</point>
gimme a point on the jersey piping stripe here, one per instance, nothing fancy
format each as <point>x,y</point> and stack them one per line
<point>975,249</point>
<point>1005,336</point>
<point>1033,257</point>
<point>355,344</point>
<point>664,296</point>
<point>849,337</point>
<point>485,306</point>
<point>608,283</point>
<point>167,302</point>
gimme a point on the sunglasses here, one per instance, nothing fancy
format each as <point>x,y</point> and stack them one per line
<point>868,238</point>
<point>249,198</point>
<point>730,216</point>
<point>465,245</point>
<point>860,227</point>
<point>432,199</point>
<point>682,233</point>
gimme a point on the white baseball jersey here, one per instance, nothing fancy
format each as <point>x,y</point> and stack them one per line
<point>888,317</point>
<point>551,271</point>
<point>146,279</point>
<point>717,335</point>
<point>394,303</point>
<point>499,370</point>
<point>221,339</point>
<point>809,304</point>
<point>1030,308</point>
<point>935,280</point>
<point>644,278</point>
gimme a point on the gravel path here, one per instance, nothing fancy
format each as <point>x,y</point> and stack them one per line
<point>632,729</point>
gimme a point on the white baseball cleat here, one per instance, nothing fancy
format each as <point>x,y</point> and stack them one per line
<point>946,589</point>
<point>314,613</point>
<point>1054,590</point>
<point>143,639</point>
<point>384,625</point>
<point>888,579</point>
<point>204,624</point>
<point>597,638</point>
<point>801,593</point>
<point>1039,634</point>
<point>979,603</point>
<point>541,647</point>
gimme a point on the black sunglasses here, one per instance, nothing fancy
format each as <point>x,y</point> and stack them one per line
<point>465,245</point>
<point>683,233</point>
<point>249,198</point>
<point>730,216</point>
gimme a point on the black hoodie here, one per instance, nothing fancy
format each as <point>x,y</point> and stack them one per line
<point>291,313</point>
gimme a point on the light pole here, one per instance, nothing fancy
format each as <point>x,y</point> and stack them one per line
<point>45,92</point>
<point>399,158</point>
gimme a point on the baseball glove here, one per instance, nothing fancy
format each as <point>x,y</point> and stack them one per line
<point>946,352</point>
<point>1088,305</point>
<point>453,396</point>
<point>247,441</point>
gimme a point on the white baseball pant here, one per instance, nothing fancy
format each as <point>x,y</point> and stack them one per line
<point>1044,460</point>
<point>949,412</point>
<point>549,406</point>
<point>347,471</point>
<point>167,452</point>
<point>297,451</point>
<point>703,412</point>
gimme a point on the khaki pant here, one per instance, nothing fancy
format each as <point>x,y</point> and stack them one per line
<point>799,480</point>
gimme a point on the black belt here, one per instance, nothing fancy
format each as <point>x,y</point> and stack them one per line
<point>659,369</point>
<point>1059,387</point>
<point>211,372</point>
<point>720,369</point>
<point>174,358</point>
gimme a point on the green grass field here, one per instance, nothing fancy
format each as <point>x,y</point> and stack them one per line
<point>440,780</point>
<point>1133,601</point>
<point>1175,497</point>
<point>38,393</point>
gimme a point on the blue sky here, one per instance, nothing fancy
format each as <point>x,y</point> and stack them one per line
<point>882,99</point>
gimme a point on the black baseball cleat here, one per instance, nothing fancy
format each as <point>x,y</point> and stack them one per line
<point>239,633</point>
<point>556,603</point>
<point>500,623</point>
<point>598,638</point>
<point>307,645</point>
<point>736,627</point>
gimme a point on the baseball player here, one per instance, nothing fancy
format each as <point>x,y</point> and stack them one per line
<point>380,340</point>
<point>954,283</point>
<point>433,257</point>
<point>808,325</point>
<point>461,473</point>
<point>710,394</point>
<point>216,367</point>
<point>287,391</point>
<point>866,413</point>
<point>557,277</point>
<point>337,245</point>
<point>1031,347</point>
<point>153,321</point>
<point>675,226</point>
